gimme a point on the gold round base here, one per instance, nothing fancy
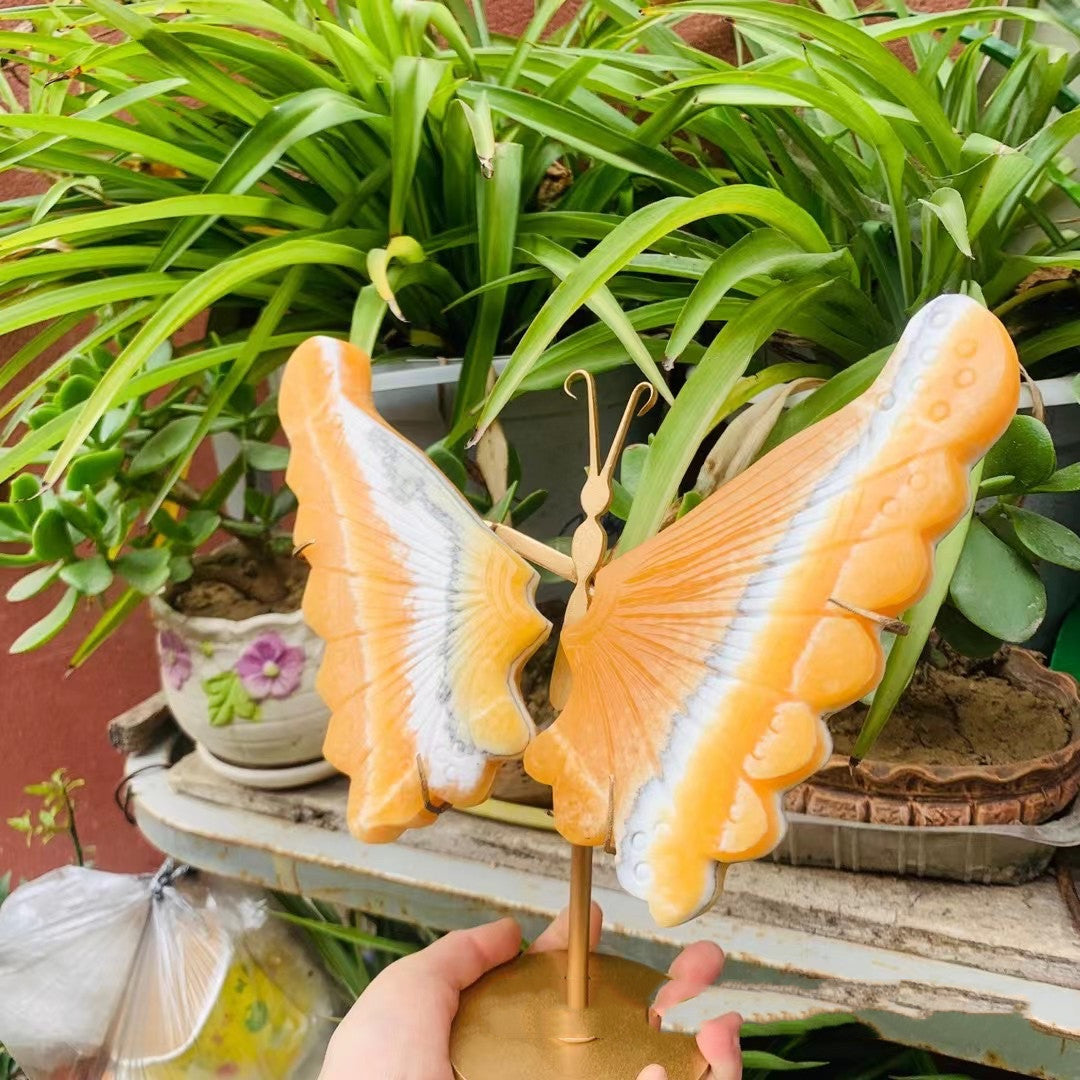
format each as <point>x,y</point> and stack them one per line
<point>514,1024</point>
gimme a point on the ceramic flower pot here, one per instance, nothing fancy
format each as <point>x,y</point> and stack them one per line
<point>244,689</point>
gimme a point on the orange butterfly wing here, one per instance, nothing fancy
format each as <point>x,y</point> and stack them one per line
<point>427,616</point>
<point>710,652</point>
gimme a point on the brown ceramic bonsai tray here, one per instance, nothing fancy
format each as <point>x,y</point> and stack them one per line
<point>987,823</point>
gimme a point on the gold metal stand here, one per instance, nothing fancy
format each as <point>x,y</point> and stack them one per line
<point>577,949</point>
<point>567,1015</point>
<point>571,1015</point>
<point>515,1025</point>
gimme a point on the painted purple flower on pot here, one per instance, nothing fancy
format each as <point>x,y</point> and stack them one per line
<point>271,667</point>
<point>175,659</point>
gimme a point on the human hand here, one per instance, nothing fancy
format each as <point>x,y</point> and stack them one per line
<point>399,1029</point>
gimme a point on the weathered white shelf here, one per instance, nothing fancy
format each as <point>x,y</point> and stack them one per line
<point>984,973</point>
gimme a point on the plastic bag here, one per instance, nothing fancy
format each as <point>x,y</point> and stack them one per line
<point>156,978</point>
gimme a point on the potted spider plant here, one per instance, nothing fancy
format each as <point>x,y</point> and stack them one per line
<point>323,172</point>
<point>851,189</point>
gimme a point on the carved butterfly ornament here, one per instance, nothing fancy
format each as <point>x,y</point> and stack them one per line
<point>707,656</point>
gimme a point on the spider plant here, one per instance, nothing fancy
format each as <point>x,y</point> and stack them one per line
<point>289,169</point>
<point>851,189</point>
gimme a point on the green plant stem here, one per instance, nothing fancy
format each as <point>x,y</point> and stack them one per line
<point>73,831</point>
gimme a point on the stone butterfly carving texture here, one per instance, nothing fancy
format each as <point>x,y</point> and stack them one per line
<point>709,653</point>
<point>428,617</point>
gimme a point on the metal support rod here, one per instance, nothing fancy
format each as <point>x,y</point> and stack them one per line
<point>577,959</point>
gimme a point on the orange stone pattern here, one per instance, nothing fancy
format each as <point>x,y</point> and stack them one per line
<point>707,656</point>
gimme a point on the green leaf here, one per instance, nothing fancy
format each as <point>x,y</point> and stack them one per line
<point>227,700</point>
<point>90,576</point>
<point>632,465</point>
<point>849,42</point>
<point>44,630</point>
<point>498,209</point>
<point>113,618</point>
<point>33,583</point>
<point>12,527</point>
<point>450,465</point>
<point>761,1059</point>
<point>51,538</point>
<point>1044,538</point>
<point>414,81</point>
<point>689,501</point>
<point>74,389</point>
<point>59,189</point>
<point>965,636</point>
<point>621,501</point>
<point>146,569</point>
<point>26,498</point>
<point>591,136</point>
<point>483,133</point>
<point>758,252</point>
<point>351,934</point>
<point>947,205</point>
<point>192,298</point>
<point>403,248</point>
<point>290,121</point>
<point>527,507</point>
<point>697,408</point>
<point>1065,479</point>
<point>1025,451</point>
<point>163,446</point>
<point>906,651</point>
<point>158,210</point>
<point>265,456</point>
<point>997,589</point>
<point>632,236</point>
<point>93,469</point>
<point>562,263</point>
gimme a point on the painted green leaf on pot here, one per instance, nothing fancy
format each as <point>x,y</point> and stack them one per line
<point>227,700</point>
<point>1025,451</point>
<point>996,588</point>
<point>1046,539</point>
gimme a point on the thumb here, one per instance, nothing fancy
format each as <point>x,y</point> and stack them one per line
<point>653,1072</point>
<point>463,956</point>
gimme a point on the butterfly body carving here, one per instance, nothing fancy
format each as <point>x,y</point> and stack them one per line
<point>707,656</point>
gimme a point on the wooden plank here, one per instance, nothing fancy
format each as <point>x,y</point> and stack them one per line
<point>1019,930</point>
<point>136,730</point>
